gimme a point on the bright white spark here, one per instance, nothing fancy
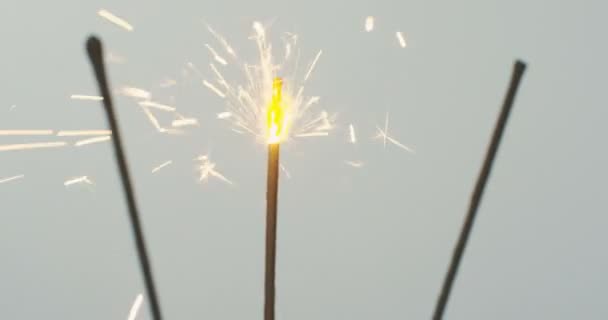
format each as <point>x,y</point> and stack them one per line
<point>115,20</point>
<point>29,146</point>
<point>162,165</point>
<point>214,89</point>
<point>85,142</point>
<point>13,178</point>
<point>156,105</point>
<point>135,307</point>
<point>76,133</point>
<point>354,164</point>
<point>369,24</point>
<point>223,41</point>
<point>313,64</point>
<point>26,132</point>
<point>401,39</point>
<point>386,138</point>
<point>353,136</point>
<point>216,56</point>
<point>86,97</point>
<point>168,83</point>
<point>135,93</point>
<point>153,119</point>
<point>312,134</point>
<point>224,115</point>
<point>206,170</point>
<point>184,122</point>
<point>287,174</point>
<point>78,180</point>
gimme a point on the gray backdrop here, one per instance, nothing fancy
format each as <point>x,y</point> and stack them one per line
<point>367,243</point>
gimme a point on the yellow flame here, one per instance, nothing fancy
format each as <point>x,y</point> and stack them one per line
<point>277,118</point>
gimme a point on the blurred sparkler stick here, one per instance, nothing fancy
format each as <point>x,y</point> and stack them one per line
<point>95,51</point>
<point>276,130</point>
<point>518,71</point>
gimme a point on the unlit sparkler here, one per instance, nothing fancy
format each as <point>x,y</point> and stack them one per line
<point>518,71</point>
<point>95,52</point>
<point>115,20</point>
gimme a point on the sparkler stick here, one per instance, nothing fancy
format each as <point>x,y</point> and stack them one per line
<point>276,129</point>
<point>95,51</point>
<point>518,71</point>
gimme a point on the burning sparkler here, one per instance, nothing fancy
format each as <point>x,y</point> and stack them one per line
<point>277,128</point>
<point>247,103</point>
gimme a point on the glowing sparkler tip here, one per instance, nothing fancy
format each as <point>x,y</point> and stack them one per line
<point>276,113</point>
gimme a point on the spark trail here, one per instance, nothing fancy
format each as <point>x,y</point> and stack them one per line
<point>85,142</point>
<point>78,180</point>
<point>401,39</point>
<point>207,169</point>
<point>114,19</point>
<point>13,178</point>
<point>162,165</point>
<point>85,97</point>
<point>29,146</point>
<point>135,307</point>
<point>383,134</point>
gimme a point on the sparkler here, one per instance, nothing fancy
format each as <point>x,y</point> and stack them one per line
<point>518,70</point>
<point>276,130</point>
<point>95,52</point>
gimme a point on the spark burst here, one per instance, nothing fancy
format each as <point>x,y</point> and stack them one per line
<point>207,169</point>
<point>383,134</point>
<point>247,103</point>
